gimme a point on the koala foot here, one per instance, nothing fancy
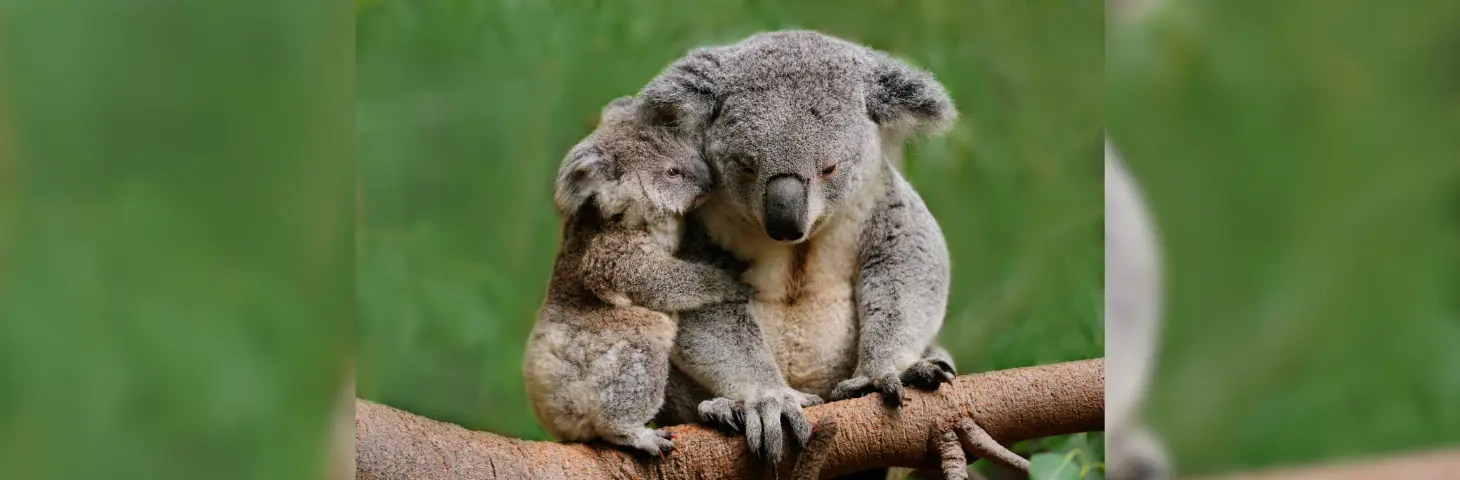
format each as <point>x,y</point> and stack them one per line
<point>928,375</point>
<point>761,417</point>
<point>653,442</point>
<point>888,384</point>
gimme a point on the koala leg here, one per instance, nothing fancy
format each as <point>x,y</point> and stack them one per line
<point>682,397</point>
<point>902,295</point>
<point>632,394</point>
<point>720,347</point>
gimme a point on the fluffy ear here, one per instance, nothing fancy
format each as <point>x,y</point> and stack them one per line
<point>582,175</point>
<point>686,94</point>
<point>907,100</point>
<point>616,108</point>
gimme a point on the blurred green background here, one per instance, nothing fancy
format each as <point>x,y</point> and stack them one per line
<point>176,237</point>
<point>466,108</point>
<point>1302,159</point>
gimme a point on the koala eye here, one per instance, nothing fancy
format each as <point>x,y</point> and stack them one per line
<point>828,170</point>
<point>675,172</point>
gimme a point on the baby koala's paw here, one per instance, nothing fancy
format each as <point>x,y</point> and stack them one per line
<point>654,442</point>
<point>732,291</point>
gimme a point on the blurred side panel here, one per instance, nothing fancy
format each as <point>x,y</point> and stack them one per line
<point>1300,159</point>
<point>176,270</point>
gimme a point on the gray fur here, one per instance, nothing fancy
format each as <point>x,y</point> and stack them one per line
<point>851,270</point>
<point>1132,323</point>
<point>597,359</point>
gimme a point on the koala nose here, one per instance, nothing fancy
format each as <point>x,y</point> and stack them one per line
<point>701,172</point>
<point>785,208</point>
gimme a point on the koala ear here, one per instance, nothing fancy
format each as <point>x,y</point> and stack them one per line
<point>581,176</point>
<point>616,108</point>
<point>907,100</point>
<point>685,95</point>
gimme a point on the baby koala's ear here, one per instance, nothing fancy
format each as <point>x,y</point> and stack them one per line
<point>620,107</point>
<point>907,100</point>
<point>583,174</point>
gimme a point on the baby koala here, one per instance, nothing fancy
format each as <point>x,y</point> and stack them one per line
<point>598,357</point>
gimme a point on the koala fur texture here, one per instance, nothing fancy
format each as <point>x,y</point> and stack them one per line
<point>1132,325</point>
<point>850,270</point>
<point>597,359</point>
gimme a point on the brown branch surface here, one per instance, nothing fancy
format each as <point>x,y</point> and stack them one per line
<point>1010,405</point>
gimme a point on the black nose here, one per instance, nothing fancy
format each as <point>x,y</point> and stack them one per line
<point>785,208</point>
<point>701,172</point>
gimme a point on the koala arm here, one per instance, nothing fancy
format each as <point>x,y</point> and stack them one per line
<point>628,265</point>
<point>721,348</point>
<point>902,293</point>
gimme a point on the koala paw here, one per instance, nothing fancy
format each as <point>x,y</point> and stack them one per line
<point>653,442</point>
<point>888,384</point>
<point>761,417</point>
<point>927,375</point>
<point>740,292</point>
<point>1136,454</point>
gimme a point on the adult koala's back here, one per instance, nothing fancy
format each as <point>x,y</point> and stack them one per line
<point>851,270</point>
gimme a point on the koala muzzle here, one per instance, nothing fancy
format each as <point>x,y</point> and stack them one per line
<point>701,171</point>
<point>785,208</point>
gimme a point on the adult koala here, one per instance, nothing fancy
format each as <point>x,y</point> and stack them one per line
<point>851,271</point>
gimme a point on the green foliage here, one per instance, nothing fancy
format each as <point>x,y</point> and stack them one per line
<point>1053,466</point>
<point>1300,158</point>
<point>1079,456</point>
<point>467,106</point>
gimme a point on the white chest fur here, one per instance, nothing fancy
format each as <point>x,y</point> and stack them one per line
<point>805,300</point>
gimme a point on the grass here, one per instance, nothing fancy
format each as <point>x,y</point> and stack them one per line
<point>466,107</point>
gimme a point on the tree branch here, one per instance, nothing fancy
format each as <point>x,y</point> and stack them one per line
<point>1008,405</point>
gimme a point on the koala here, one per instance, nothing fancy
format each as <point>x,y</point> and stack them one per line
<point>850,270</point>
<point>597,358</point>
<point>1132,324</point>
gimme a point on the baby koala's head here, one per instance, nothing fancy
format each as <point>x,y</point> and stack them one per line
<point>632,171</point>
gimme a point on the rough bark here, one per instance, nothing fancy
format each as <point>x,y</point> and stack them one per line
<point>1009,405</point>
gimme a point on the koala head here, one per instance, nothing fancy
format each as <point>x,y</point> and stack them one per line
<point>793,123</point>
<point>631,171</point>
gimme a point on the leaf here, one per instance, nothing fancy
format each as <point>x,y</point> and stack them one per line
<point>1053,466</point>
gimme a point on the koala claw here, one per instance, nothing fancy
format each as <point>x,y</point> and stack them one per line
<point>721,412</point>
<point>761,419</point>
<point>927,375</point>
<point>653,442</point>
<point>888,384</point>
